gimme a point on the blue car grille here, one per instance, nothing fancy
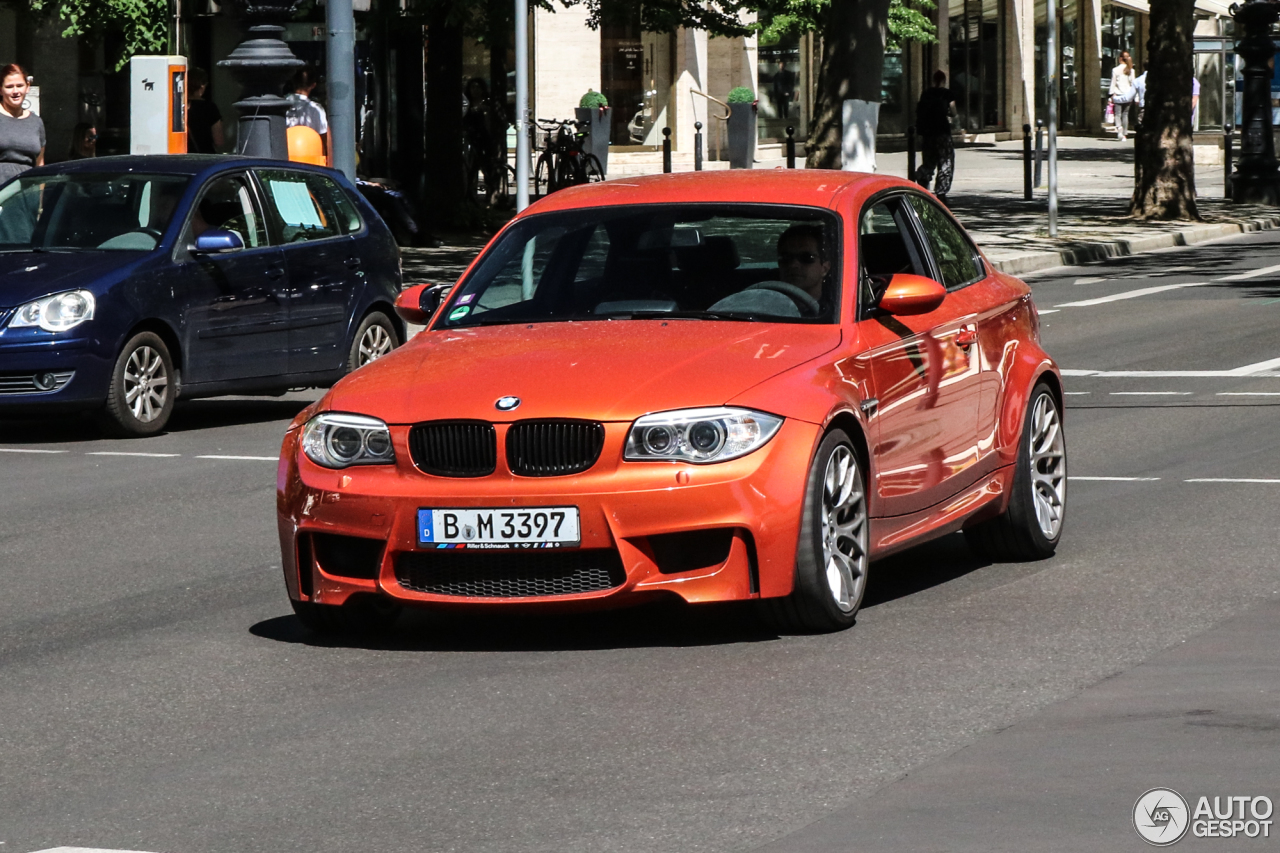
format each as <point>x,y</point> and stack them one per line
<point>26,383</point>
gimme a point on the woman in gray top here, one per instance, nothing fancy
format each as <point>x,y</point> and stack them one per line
<point>21,131</point>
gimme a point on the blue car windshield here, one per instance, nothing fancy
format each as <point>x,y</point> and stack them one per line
<point>768,263</point>
<point>120,211</point>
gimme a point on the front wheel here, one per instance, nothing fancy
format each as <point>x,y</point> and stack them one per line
<point>1031,527</point>
<point>140,397</point>
<point>376,337</point>
<point>834,550</point>
<point>542,177</point>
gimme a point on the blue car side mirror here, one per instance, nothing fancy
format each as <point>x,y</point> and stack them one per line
<point>215,241</point>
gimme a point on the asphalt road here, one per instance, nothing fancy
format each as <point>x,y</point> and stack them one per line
<point>157,695</point>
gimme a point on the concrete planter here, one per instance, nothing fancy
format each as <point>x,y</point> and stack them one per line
<point>742,135</point>
<point>597,141</point>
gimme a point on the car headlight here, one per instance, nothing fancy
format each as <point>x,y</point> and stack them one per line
<point>55,313</point>
<point>699,435</point>
<point>336,440</point>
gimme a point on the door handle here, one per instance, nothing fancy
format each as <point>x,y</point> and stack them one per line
<point>275,272</point>
<point>967,336</point>
<point>352,263</point>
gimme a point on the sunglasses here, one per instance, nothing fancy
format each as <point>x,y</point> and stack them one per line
<point>804,258</point>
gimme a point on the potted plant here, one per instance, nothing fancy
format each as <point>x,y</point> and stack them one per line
<point>594,113</point>
<point>742,128</point>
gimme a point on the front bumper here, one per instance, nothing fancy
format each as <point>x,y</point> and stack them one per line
<point>24,354</point>
<point>753,504</point>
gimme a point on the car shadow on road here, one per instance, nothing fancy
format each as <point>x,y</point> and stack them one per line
<point>658,624</point>
<point>188,416</point>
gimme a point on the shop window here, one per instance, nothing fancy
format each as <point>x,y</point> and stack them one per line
<point>1069,37</point>
<point>778,85</point>
<point>976,34</point>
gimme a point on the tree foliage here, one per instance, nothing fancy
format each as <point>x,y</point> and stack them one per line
<point>144,24</point>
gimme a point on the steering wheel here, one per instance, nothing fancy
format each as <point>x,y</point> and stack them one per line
<point>150,232</point>
<point>806,303</point>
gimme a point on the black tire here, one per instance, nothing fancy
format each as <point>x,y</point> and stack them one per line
<point>1018,534</point>
<point>593,170</point>
<point>142,390</point>
<point>542,178</point>
<point>361,615</point>
<point>814,605</point>
<point>565,174</point>
<point>375,337</point>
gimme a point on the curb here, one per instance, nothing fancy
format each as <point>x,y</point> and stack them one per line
<point>1080,253</point>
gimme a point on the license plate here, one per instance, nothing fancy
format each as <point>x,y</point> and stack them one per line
<point>522,527</point>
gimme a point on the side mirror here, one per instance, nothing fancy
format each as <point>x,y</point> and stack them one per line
<point>912,294</point>
<point>215,242</point>
<point>417,303</point>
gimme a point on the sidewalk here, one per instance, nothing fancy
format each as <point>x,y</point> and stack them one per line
<point>1095,179</point>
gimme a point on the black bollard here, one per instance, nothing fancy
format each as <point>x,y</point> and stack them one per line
<point>911,153</point>
<point>697,146</point>
<point>791,147</point>
<point>1226,160</point>
<point>1026,162</point>
<point>666,149</point>
<point>1039,149</point>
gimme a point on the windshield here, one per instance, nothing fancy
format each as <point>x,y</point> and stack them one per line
<point>78,212</point>
<point>747,263</point>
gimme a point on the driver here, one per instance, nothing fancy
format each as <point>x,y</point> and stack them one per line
<point>802,261</point>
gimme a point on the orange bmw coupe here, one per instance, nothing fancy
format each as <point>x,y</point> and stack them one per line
<point>725,386</point>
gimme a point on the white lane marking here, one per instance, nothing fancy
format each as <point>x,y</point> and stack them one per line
<point>1251,274</point>
<point>1259,368</point>
<point>85,850</point>
<point>123,453</point>
<point>1077,393</point>
<point>1047,311</point>
<point>1115,479</point>
<point>1230,480</point>
<point>1249,393</point>
<point>1089,279</point>
<point>1130,294</point>
<point>29,450</point>
<point>1150,393</point>
<point>250,458</point>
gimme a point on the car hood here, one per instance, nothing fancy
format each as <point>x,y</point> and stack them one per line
<point>25,276</point>
<point>602,370</point>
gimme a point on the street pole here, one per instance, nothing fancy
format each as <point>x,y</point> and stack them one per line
<point>1051,62</point>
<point>341,59</point>
<point>1257,176</point>
<point>522,104</point>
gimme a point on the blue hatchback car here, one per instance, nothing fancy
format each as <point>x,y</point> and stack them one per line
<point>129,282</point>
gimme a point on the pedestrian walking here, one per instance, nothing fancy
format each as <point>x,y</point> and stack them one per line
<point>204,119</point>
<point>84,142</point>
<point>1139,97</point>
<point>933,123</point>
<point>1122,93</point>
<point>22,136</point>
<point>303,110</point>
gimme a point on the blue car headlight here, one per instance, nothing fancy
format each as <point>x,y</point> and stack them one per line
<point>699,435</point>
<point>338,440</point>
<point>56,313</point>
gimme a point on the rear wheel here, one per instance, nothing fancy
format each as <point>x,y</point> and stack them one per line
<point>1032,525</point>
<point>140,397</point>
<point>542,178</point>
<point>833,554</point>
<point>593,169</point>
<point>362,614</point>
<point>376,337</point>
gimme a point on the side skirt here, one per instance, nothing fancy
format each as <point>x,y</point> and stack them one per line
<point>983,500</point>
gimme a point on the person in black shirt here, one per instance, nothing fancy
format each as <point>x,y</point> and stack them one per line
<point>204,120</point>
<point>933,123</point>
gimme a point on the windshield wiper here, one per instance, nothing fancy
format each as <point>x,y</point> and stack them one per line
<point>679,315</point>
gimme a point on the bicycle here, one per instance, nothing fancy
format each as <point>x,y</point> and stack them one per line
<point>563,162</point>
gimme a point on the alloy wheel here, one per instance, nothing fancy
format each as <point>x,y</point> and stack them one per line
<point>374,344</point>
<point>844,529</point>
<point>1048,458</point>
<point>146,384</point>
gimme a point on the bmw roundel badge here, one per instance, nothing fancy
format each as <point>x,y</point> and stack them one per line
<point>506,404</point>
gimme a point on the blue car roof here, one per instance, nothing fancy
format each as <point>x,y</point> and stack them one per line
<point>166,164</point>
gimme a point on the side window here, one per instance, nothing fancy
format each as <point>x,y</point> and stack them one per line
<point>957,259</point>
<point>228,204</point>
<point>886,247</point>
<point>335,203</point>
<point>303,207</point>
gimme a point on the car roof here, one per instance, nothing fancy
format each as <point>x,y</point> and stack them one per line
<point>165,164</point>
<point>810,187</point>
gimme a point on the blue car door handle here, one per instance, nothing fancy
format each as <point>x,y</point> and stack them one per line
<point>353,262</point>
<point>275,272</point>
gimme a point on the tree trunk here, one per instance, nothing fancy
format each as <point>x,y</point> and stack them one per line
<point>1164,163</point>
<point>446,185</point>
<point>853,38</point>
